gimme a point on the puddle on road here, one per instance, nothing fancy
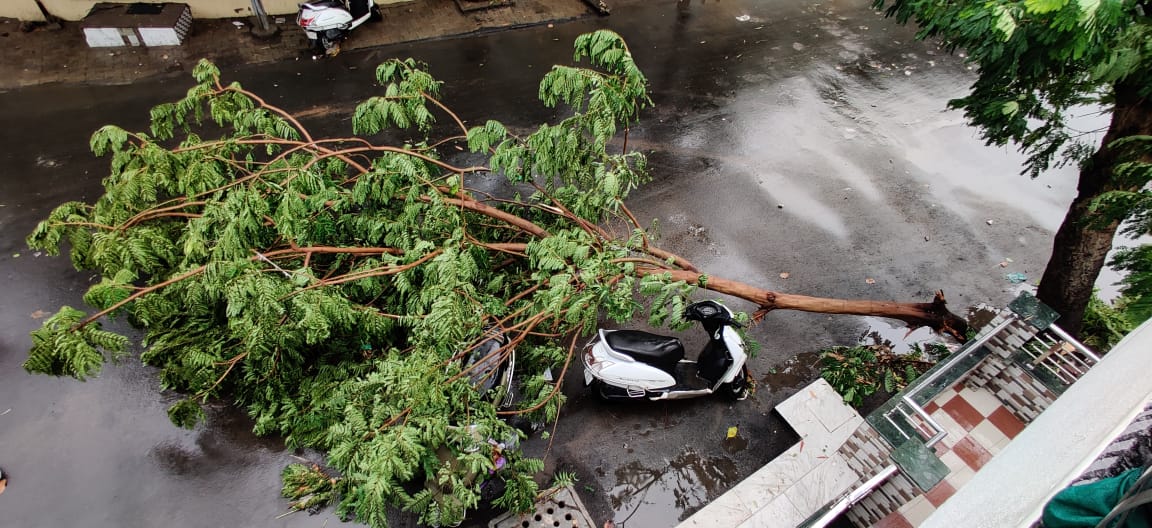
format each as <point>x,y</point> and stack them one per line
<point>979,316</point>
<point>897,335</point>
<point>734,444</point>
<point>663,496</point>
<point>798,370</point>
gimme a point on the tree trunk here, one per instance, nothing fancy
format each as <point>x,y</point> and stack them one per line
<point>934,314</point>
<point>1084,239</point>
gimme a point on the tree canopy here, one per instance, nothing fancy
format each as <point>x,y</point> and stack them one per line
<point>1038,60</point>
<point>331,286</point>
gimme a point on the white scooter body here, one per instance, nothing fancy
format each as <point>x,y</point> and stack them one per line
<point>624,375</point>
<point>328,22</point>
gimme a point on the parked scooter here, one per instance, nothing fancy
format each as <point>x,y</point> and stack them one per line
<point>328,22</point>
<point>491,372</point>
<point>631,364</point>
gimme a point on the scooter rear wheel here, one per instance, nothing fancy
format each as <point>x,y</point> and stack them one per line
<point>331,48</point>
<point>608,393</point>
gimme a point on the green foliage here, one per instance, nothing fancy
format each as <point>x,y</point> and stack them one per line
<point>859,371</point>
<point>1136,286</point>
<point>186,413</point>
<point>564,479</point>
<point>1036,60</point>
<point>61,347</point>
<point>308,487</point>
<point>1105,324</point>
<point>408,88</point>
<point>1135,204</point>
<point>331,287</point>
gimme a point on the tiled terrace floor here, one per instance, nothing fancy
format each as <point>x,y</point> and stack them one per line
<point>812,473</point>
<point>978,427</point>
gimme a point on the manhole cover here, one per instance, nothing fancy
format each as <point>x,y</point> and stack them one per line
<point>562,509</point>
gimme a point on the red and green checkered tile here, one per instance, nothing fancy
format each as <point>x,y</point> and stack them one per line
<point>978,427</point>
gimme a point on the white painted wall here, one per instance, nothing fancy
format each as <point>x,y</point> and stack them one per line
<point>21,10</point>
<point>76,9</point>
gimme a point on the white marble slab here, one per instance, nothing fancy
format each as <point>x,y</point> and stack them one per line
<point>825,483</point>
<point>772,480</point>
<point>781,513</point>
<point>829,408</point>
<point>727,510</point>
<point>819,415</point>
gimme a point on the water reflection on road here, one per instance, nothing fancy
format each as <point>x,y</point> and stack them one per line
<point>665,495</point>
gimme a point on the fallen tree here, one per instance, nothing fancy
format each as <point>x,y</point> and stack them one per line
<point>330,286</point>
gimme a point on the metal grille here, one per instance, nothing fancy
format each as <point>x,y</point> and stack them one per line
<point>1059,355</point>
<point>908,419</point>
<point>562,509</point>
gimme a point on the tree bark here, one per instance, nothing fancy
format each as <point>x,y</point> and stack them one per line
<point>933,314</point>
<point>1083,241</point>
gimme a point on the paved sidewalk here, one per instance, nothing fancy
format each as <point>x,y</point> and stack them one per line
<point>62,56</point>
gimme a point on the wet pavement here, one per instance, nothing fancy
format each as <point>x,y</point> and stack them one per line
<point>806,138</point>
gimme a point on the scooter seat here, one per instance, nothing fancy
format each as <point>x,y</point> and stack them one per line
<point>661,351</point>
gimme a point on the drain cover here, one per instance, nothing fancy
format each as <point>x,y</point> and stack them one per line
<point>562,509</point>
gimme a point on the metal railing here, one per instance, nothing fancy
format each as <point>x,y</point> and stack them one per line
<point>1061,355</point>
<point>910,412</point>
<point>1052,350</point>
<point>832,511</point>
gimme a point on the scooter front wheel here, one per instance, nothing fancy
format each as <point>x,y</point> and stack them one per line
<point>737,389</point>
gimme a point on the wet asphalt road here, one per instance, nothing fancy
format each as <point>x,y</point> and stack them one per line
<point>788,136</point>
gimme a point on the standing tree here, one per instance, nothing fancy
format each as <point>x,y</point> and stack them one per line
<point>1037,59</point>
<point>331,286</point>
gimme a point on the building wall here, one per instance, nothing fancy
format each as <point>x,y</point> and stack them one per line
<point>21,10</point>
<point>77,9</point>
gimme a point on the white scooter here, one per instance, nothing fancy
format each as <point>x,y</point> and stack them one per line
<point>328,22</point>
<point>631,364</point>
